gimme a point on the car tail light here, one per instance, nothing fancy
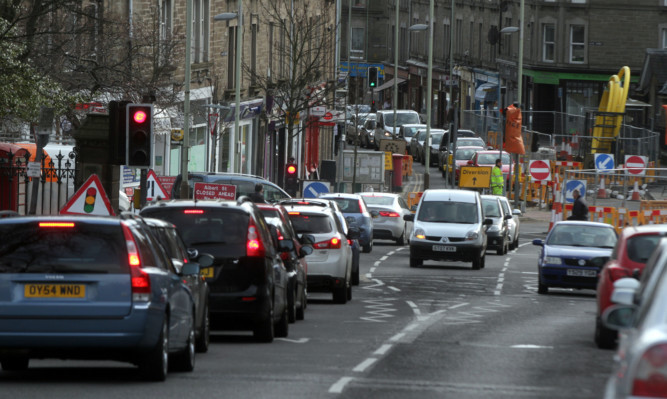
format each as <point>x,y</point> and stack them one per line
<point>349,242</point>
<point>294,213</point>
<point>361,205</point>
<point>651,377</point>
<point>56,224</point>
<point>333,243</point>
<point>141,282</point>
<point>193,211</point>
<point>616,273</point>
<point>254,245</point>
<point>389,214</point>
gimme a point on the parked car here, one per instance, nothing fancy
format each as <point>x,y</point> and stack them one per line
<point>387,128</point>
<point>633,249</point>
<point>357,215</point>
<point>330,264</point>
<point>173,245</point>
<point>389,223</point>
<point>248,281</point>
<point>245,185</point>
<point>639,364</point>
<point>93,287</point>
<point>514,223</point>
<point>573,254</point>
<point>406,132</point>
<point>294,259</point>
<point>449,225</point>
<point>436,136</point>
<point>498,231</point>
<point>461,158</point>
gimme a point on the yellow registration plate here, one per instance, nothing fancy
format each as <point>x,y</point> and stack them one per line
<point>54,291</point>
<point>206,272</point>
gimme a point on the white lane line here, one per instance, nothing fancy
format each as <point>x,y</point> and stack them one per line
<point>369,275</point>
<point>400,249</point>
<point>382,350</point>
<point>364,365</point>
<point>411,327</point>
<point>415,308</point>
<point>340,385</point>
<point>458,305</point>
<point>382,259</point>
<point>531,347</point>
<point>377,263</point>
<point>372,270</point>
<point>394,289</point>
<point>397,337</point>
<point>390,253</point>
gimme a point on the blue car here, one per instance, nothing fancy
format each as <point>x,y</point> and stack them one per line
<point>357,215</point>
<point>83,287</point>
<point>573,255</point>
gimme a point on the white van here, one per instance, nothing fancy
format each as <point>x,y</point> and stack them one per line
<point>449,225</point>
<point>385,127</point>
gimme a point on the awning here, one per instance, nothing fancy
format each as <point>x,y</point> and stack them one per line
<point>388,84</point>
<point>486,92</point>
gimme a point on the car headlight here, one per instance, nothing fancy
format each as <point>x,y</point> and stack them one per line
<point>387,134</point>
<point>552,260</point>
<point>472,235</point>
<point>493,228</point>
<point>420,233</point>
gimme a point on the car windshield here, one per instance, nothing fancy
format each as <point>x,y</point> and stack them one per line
<point>448,212</point>
<point>403,118</point>
<point>378,200</point>
<point>410,131</point>
<point>463,155</point>
<point>640,247</point>
<point>471,142</point>
<point>310,224</point>
<point>580,236</point>
<point>436,138</point>
<point>491,207</point>
<point>75,248</point>
<point>347,205</point>
<point>490,158</point>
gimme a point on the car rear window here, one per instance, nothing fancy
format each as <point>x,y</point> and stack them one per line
<point>270,213</point>
<point>491,208</point>
<point>220,232</point>
<point>641,247</point>
<point>448,212</point>
<point>347,205</point>
<point>378,200</point>
<point>76,248</point>
<point>310,223</point>
<point>470,142</point>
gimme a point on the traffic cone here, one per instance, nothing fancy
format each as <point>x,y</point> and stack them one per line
<point>602,191</point>
<point>635,192</point>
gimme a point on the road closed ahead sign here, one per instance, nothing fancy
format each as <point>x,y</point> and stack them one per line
<point>475,177</point>
<point>204,191</point>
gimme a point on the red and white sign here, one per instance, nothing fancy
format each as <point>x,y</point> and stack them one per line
<point>539,170</point>
<point>154,189</point>
<point>89,199</point>
<point>318,111</point>
<point>204,191</point>
<point>167,182</point>
<point>635,165</point>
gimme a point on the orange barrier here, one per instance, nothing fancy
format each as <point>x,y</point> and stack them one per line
<point>644,205</point>
<point>628,218</point>
<point>413,198</point>
<point>407,165</point>
<point>654,216</point>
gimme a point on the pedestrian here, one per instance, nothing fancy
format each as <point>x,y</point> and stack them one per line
<point>258,195</point>
<point>579,208</point>
<point>387,104</point>
<point>497,178</point>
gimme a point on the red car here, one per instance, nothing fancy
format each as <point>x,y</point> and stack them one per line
<point>633,248</point>
<point>488,158</point>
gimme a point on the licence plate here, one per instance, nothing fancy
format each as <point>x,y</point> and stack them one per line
<point>582,273</point>
<point>54,291</point>
<point>444,248</point>
<point>206,272</point>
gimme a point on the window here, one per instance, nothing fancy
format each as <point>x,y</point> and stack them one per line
<point>577,44</point>
<point>459,36</point>
<point>480,41</point>
<point>357,49</point>
<point>663,36</point>
<point>165,20</point>
<point>200,39</point>
<point>447,39</point>
<point>549,43</point>
<point>404,43</point>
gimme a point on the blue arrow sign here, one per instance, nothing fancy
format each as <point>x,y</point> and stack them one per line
<point>314,189</point>
<point>572,185</point>
<point>604,163</point>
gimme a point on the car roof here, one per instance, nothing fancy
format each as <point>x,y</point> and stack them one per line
<point>340,195</point>
<point>413,125</point>
<point>241,203</point>
<point>449,195</point>
<point>310,209</point>
<point>582,223</point>
<point>644,229</point>
<point>380,194</point>
<point>492,152</point>
<point>434,130</point>
<point>59,218</point>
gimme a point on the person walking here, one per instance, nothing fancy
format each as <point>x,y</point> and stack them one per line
<point>258,195</point>
<point>579,208</point>
<point>497,178</point>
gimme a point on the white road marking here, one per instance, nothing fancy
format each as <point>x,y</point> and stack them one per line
<point>296,341</point>
<point>414,307</point>
<point>411,327</point>
<point>383,349</point>
<point>377,263</point>
<point>340,385</point>
<point>364,365</point>
<point>400,249</point>
<point>531,347</point>
<point>372,270</point>
<point>382,259</point>
<point>394,288</point>
<point>390,253</point>
<point>457,305</point>
<point>397,337</point>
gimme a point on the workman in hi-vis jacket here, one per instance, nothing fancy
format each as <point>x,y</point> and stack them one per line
<point>497,178</point>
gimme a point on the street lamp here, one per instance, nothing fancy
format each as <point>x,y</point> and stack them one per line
<point>227,16</point>
<point>429,76</point>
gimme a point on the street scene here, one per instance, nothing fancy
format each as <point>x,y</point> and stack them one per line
<point>346,199</point>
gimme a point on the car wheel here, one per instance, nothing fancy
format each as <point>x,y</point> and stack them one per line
<point>14,362</point>
<point>263,331</point>
<point>541,288</point>
<point>185,359</point>
<point>340,294</point>
<point>401,240</point>
<point>604,337</point>
<point>204,332</point>
<point>482,263</point>
<point>368,247</point>
<point>355,277</point>
<point>349,293</point>
<point>501,249</point>
<point>291,305</point>
<point>477,262</point>
<point>416,262</point>
<point>301,310</point>
<point>282,327</point>
<point>155,365</point>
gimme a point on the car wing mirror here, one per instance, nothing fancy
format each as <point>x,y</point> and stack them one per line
<point>353,233</point>
<point>488,222</point>
<point>190,269</point>
<point>619,317</point>
<point>285,245</point>
<point>375,214</point>
<point>517,212</point>
<point>409,218</point>
<point>205,260</point>
<point>307,239</point>
<point>538,242</point>
<point>305,251</point>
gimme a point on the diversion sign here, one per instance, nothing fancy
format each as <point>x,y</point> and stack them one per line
<point>475,177</point>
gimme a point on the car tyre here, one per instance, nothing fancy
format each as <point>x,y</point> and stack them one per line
<point>14,362</point>
<point>368,247</point>
<point>185,359</point>
<point>355,277</point>
<point>401,240</point>
<point>541,288</point>
<point>604,337</point>
<point>301,310</point>
<point>291,305</point>
<point>414,262</point>
<point>349,292</point>
<point>204,332</point>
<point>340,294</point>
<point>477,262</point>
<point>282,327</point>
<point>155,364</point>
<point>263,331</point>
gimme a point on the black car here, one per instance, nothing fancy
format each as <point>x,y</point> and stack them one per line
<point>248,280</point>
<point>245,184</point>
<point>167,235</point>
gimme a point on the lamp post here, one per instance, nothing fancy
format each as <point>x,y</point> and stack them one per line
<point>429,76</point>
<point>227,16</point>
<point>185,192</point>
<point>396,38</point>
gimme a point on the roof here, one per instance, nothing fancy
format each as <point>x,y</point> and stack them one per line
<point>379,194</point>
<point>644,229</point>
<point>449,195</point>
<point>655,66</point>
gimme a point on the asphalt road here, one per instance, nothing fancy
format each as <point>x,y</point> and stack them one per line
<point>439,331</point>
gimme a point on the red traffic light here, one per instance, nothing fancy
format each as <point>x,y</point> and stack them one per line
<point>291,169</point>
<point>139,116</point>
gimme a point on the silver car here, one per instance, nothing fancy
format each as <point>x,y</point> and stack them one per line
<point>514,224</point>
<point>389,223</point>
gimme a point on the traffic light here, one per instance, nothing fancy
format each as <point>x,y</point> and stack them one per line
<point>117,132</point>
<point>372,77</point>
<point>89,204</point>
<point>139,133</point>
<point>291,178</point>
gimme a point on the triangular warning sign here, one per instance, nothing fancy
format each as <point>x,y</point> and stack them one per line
<point>90,199</point>
<point>154,188</point>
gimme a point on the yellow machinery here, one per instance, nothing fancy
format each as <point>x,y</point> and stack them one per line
<point>610,112</point>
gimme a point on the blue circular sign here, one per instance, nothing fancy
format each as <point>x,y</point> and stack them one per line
<point>572,185</point>
<point>314,189</point>
<point>604,162</point>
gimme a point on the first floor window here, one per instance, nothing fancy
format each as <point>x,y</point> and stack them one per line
<point>577,44</point>
<point>549,43</point>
